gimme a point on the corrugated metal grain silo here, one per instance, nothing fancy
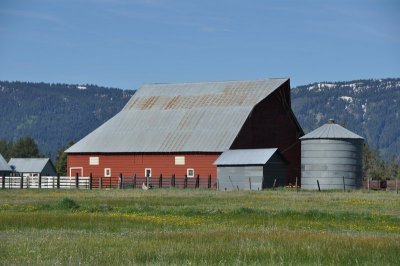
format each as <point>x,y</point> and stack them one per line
<point>331,154</point>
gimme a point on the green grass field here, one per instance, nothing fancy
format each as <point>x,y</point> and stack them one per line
<point>198,227</point>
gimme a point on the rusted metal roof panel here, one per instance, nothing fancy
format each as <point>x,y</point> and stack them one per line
<point>190,117</point>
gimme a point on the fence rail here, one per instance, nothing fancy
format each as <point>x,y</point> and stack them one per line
<point>22,182</point>
<point>89,182</point>
<point>121,182</point>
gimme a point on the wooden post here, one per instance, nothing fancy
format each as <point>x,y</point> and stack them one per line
<point>250,183</point>
<point>319,188</point>
<point>209,181</point>
<point>90,181</point>
<point>100,183</point>
<point>344,185</point>
<point>76,181</point>
<point>198,181</point>
<point>134,181</point>
<point>160,181</point>
<point>185,182</point>
<point>273,186</point>
<point>22,182</point>
<point>58,180</point>
<point>297,187</point>
<point>3,181</point>
<point>369,183</point>
<point>120,184</point>
<point>397,186</point>
<point>40,180</point>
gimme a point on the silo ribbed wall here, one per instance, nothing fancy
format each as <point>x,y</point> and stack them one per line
<point>328,161</point>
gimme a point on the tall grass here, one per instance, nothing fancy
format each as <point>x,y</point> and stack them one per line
<point>198,227</point>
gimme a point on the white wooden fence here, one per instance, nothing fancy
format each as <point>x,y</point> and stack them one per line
<point>45,182</point>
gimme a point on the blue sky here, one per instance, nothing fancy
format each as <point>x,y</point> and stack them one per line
<point>125,43</point>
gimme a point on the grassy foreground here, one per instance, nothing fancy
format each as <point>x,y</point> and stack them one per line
<point>198,227</point>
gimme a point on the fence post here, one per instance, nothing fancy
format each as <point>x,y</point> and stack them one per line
<point>209,181</point>
<point>198,181</point>
<point>297,186</point>
<point>3,181</point>
<point>344,185</point>
<point>185,182</point>
<point>100,183</point>
<point>250,183</point>
<point>58,180</point>
<point>273,186</point>
<point>76,181</point>
<point>319,189</point>
<point>22,182</point>
<point>369,183</point>
<point>134,181</point>
<point>173,180</point>
<point>120,185</point>
<point>397,185</point>
<point>90,181</point>
<point>40,180</point>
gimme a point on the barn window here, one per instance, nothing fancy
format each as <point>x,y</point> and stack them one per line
<point>107,172</point>
<point>190,172</point>
<point>179,160</point>
<point>93,160</point>
<point>147,172</point>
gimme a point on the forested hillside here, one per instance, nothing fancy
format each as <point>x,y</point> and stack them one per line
<point>55,114</point>
<point>370,108</point>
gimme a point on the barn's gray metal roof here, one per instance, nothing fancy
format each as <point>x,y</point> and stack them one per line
<point>189,117</point>
<point>245,157</point>
<point>331,130</point>
<point>28,165</point>
<point>3,164</point>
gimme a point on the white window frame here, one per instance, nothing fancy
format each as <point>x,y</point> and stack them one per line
<point>187,172</point>
<point>94,160</point>
<point>179,160</point>
<point>145,172</point>
<point>105,172</point>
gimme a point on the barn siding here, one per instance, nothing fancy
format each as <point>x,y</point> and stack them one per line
<point>272,125</point>
<point>131,164</point>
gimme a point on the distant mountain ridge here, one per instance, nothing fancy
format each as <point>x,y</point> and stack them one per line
<point>55,114</point>
<point>369,108</point>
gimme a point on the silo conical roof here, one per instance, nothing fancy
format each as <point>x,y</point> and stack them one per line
<point>331,130</point>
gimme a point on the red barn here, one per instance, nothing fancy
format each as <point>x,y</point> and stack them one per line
<point>183,128</point>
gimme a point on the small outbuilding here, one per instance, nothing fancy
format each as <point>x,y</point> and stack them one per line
<point>250,169</point>
<point>331,156</point>
<point>5,169</point>
<point>32,166</point>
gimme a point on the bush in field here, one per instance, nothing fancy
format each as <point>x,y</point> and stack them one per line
<point>68,204</point>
